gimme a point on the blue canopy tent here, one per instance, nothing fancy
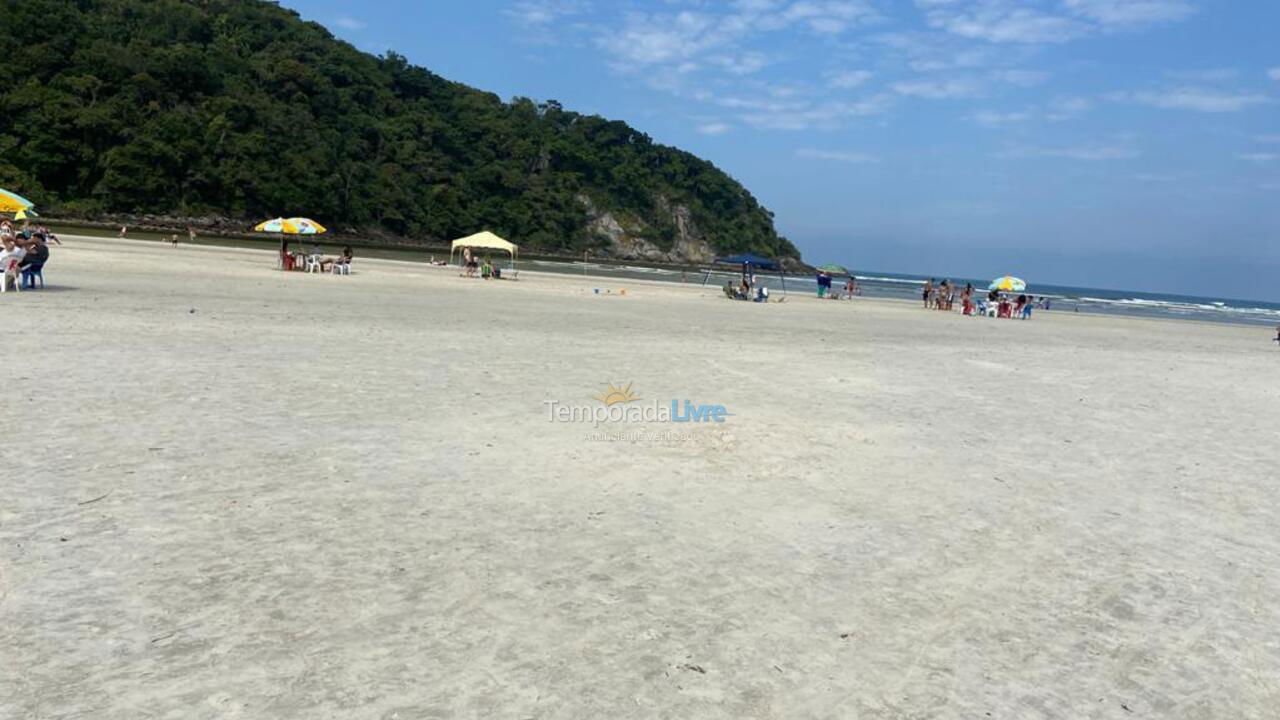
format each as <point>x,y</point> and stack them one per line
<point>748,262</point>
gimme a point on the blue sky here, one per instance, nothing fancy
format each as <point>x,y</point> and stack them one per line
<point>1129,144</point>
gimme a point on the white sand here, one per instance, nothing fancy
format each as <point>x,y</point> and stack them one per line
<point>341,498</point>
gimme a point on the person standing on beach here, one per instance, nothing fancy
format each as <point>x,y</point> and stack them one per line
<point>124,230</point>
<point>926,293</point>
<point>824,284</point>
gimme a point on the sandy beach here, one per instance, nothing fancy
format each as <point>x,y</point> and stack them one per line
<point>234,492</point>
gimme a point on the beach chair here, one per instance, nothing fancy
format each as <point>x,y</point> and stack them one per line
<point>338,268</point>
<point>314,263</point>
<point>29,275</point>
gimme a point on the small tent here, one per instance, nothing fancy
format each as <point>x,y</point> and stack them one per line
<point>487,241</point>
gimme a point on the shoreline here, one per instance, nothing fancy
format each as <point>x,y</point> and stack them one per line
<point>620,271</point>
<point>711,290</point>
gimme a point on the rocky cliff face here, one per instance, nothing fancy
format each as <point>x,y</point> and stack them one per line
<point>629,237</point>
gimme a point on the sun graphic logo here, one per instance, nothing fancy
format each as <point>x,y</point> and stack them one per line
<point>615,395</point>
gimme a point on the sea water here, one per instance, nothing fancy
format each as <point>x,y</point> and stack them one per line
<point>1061,298</point>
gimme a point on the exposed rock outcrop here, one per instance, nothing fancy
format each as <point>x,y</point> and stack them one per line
<point>632,238</point>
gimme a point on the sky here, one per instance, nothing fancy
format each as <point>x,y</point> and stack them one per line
<point>1125,144</point>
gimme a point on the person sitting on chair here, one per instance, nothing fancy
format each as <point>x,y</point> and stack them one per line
<point>762,294</point>
<point>340,264</point>
<point>37,255</point>
<point>10,257</point>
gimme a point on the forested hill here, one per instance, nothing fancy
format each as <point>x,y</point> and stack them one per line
<point>240,109</point>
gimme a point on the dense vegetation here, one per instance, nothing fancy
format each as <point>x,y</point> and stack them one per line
<point>238,108</point>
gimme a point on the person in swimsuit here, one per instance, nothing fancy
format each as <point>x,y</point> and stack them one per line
<point>928,291</point>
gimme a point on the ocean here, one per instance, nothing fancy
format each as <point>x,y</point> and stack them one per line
<point>1062,298</point>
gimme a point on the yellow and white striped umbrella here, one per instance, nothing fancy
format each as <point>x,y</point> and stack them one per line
<point>1008,283</point>
<point>291,226</point>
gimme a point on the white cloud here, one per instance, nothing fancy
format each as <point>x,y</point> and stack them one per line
<point>1011,21</point>
<point>934,51</point>
<point>1120,13</point>
<point>1076,152</point>
<point>1157,178</point>
<point>1000,21</point>
<point>702,28</point>
<point>938,89</point>
<point>825,114</point>
<point>854,158</point>
<point>849,79</point>
<point>1065,108</point>
<point>649,40</point>
<point>991,119</point>
<point>831,17</point>
<point>544,12</point>
<point>1198,99</point>
<point>1274,73</point>
<point>1212,75</point>
<point>1258,157</point>
<point>347,22</point>
<point>714,128</point>
<point>745,63</point>
<point>1022,78</point>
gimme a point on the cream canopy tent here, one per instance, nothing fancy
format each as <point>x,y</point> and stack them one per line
<point>488,241</point>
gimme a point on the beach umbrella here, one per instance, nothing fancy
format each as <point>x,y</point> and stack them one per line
<point>291,226</point>
<point>13,202</point>
<point>24,214</point>
<point>1008,283</point>
<point>833,269</point>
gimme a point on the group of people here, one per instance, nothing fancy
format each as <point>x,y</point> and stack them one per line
<point>314,257</point>
<point>943,296</point>
<point>749,288</point>
<point>473,266</point>
<point>23,253</point>
<point>825,282</point>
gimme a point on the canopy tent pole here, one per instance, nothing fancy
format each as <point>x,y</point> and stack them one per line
<point>782,276</point>
<point>705,277</point>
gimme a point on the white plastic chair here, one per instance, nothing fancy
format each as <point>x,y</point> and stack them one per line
<point>11,272</point>
<point>313,263</point>
<point>338,268</point>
